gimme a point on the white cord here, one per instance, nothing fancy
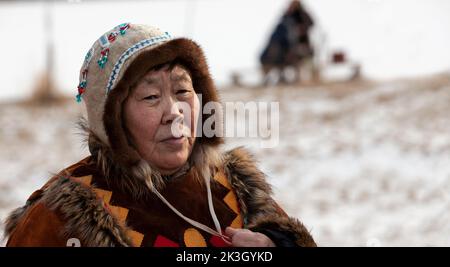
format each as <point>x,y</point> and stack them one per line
<point>201,226</point>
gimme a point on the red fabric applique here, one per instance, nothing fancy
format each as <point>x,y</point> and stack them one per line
<point>161,241</point>
<point>218,242</point>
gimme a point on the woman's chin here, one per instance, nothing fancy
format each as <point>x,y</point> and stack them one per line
<point>172,162</point>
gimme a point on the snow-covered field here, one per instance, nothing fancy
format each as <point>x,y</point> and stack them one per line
<point>360,163</point>
<point>389,38</point>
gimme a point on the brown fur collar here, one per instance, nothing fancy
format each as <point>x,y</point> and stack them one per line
<point>88,219</point>
<point>83,212</point>
<point>85,215</point>
<point>14,218</point>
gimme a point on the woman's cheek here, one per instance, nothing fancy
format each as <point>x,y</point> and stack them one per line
<point>147,122</point>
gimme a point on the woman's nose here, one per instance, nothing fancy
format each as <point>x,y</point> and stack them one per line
<point>172,111</point>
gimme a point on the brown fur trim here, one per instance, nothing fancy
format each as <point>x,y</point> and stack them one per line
<point>254,195</point>
<point>85,216</point>
<point>285,224</point>
<point>248,181</point>
<point>185,51</point>
<point>13,219</point>
<point>16,215</point>
<point>83,212</point>
<point>87,219</point>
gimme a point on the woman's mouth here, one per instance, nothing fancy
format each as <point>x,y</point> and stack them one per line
<point>174,140</point>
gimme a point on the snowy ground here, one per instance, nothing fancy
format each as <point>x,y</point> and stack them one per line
<point>360,163</point>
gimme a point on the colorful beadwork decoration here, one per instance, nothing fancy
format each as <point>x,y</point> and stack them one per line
<point>112,37</point>
<point>104,57</point>
<point>83,80</point>
<point>88,56</point>
<point>123,28</point>
<point>106,41</point>
<point>82,85</point>
<point>129,52</point>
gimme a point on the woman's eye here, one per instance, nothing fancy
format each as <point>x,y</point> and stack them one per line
<point>182,91</point>
<point>151,97</point>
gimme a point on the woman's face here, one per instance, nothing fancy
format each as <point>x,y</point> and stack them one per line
<point>154,117</point>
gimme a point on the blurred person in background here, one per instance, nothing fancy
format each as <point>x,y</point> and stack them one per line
<point>144,184</point>
<point>289,45</point>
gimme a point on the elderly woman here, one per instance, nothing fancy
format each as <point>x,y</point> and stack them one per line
<point>145,184</point>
